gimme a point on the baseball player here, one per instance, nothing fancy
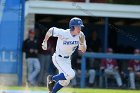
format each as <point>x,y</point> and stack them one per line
<point>134,69</point>
<point>68,41</point>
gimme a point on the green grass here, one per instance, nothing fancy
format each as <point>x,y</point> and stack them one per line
<point>78,90</point>
<point>73,90</point>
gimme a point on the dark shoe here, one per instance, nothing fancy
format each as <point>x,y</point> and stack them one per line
<point>50,83</point>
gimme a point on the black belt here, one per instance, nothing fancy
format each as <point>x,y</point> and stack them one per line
<point>63,56</point>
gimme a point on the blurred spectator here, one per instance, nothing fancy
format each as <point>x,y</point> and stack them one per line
<point>76,64</point>
<point>110,68</point>
<point>30,47</point>
<point>91,75</point>
<point>134,69</point>
<point>94,45</point>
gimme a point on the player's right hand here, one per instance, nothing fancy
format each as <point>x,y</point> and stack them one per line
<point>44,45</point>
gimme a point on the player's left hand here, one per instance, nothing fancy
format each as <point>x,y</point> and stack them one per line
<point>82,48</point>
<point>44,45</point>
<point>82,38</point>
<point>82,45</point>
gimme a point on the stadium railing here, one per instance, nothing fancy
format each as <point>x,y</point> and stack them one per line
<point>101,55</point>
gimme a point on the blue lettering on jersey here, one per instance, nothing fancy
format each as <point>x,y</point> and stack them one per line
<point>70,42</point>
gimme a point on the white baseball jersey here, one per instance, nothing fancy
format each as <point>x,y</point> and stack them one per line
<point>66,43</point>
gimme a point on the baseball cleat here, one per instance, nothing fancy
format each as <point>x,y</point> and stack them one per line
<point>50,83</point>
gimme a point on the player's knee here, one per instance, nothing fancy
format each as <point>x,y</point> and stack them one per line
<point>71,75</point>
<point>64,82</point>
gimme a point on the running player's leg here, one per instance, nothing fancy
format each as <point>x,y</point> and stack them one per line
<point>66,73</point>
<point>62,81</point>
<point>64,67</point>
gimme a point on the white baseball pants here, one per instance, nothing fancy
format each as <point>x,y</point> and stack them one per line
<point>64,66</point>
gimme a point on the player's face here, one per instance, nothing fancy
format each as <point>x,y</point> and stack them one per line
<point>77,30</point>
